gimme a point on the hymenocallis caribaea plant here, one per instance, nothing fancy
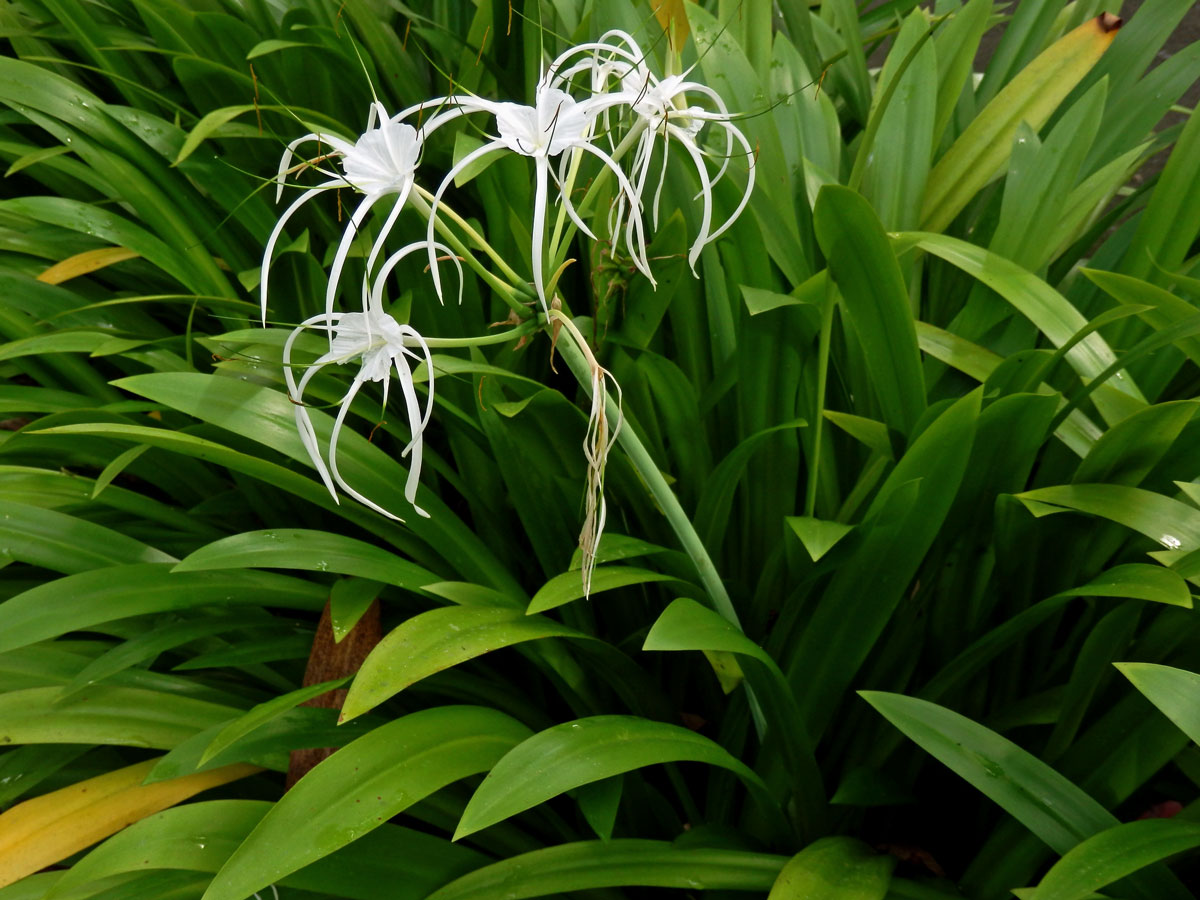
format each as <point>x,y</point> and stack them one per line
<point>599,100</point>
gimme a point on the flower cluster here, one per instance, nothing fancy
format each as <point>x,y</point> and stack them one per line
<point>598,100</point>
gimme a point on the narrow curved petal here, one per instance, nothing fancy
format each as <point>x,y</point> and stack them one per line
<point>276,232</point>
<point>343,250</point>
<point>304,426</point>
<point>388,225</point>
<point>416,446</point>
<point>702,236</point>
<point>410,334</point>
<point>635,237</point>
<point>333,442</point>
<point>336,145</point>
<point>740,138</point>
<point>392,261</point>
<point>478,153</point>
<point>539,228</point>
<point>567,205</point>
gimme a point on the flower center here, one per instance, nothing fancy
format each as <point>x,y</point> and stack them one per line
<point>547,129</point>
<point>383,159</point>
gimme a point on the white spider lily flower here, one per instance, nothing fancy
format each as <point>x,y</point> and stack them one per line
<point>613,56</point>
<point>379,344</point>
<point>662,105</point>
<point>554,124</point>
<point>381,163</point>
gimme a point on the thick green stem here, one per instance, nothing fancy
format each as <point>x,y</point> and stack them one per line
<point>508,292</point>
<point>641,460</point>
<point>483,340</point>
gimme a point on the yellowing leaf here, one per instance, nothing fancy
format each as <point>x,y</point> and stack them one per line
<point>49,828</point>
<point>83,263</point>
<point>673,20</point>
<point>983,149</point>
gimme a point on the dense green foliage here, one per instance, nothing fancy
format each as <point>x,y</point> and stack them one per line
<point>902,471</point>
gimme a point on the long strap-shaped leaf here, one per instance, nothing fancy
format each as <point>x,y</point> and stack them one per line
<point>619,863</point>
<point>46,829</point>
<point>362,786</point>
<point>268,417</point>
<point>584,751</point>
<point>1057,811</point>
<point>391,861</point>
<point>1046,308</point>
<point>983,148</point>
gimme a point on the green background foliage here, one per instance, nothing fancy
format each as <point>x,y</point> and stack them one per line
<point>905,468</point>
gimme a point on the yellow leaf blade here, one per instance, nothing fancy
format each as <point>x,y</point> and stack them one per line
<point>46,829</point>
<point>982,150</point>
<point>85,262</point>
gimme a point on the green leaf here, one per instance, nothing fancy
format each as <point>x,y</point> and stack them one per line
<point>268,417</point>
<point>88,219</point>
<point>317,551</point>
<point>686,625</point>
<point>256,467</point>
<point>955,44</point>
<point>1175,692</point>
<point>465,143</point>
<point>22,769</point>
<point>958,352</point>
<point>576,753</point>
<point>1166,309</point>
<point>876,302</point>
<point>62,543</point>
<point>290,645</point>
<point>54,342</point>
<point>1046,308</point>
<point>200,837</point>
<point>1030,791</point>
<point>1137,581</point>
<point>599,803</point>
<point>162,637</point>
<point>1114,854</point>
<point>349,600</point>
<point>899,139</point>
<point>818,535</point>
<point>1168,226</point>
<point>262,48</point>
<point>982,150</point>
<point>760,300</point>
<point>363,785</point>
<point>1040,178</point>
<point>268,746</point>
<point>129,717</point>
<point>119,464</point>
<point>568,586</point>
<point>616,547</point>
<point>77,602</point>
<point>586,865</point>
<point>720,483</point>
<point>1172,523</point>
<point>1128,451</point>
<point>205,128</point>
<point>835,868</point>
<point>900,526</point>
<point>437,640</point>
<point>870,432</point>
<point>264,713</point>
